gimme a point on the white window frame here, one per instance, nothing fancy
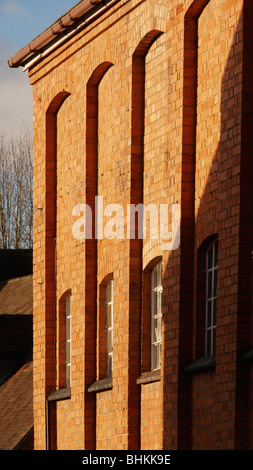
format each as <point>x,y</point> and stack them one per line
<point>109,326</point>
<point>156,316</point>
<point>211,297</point>
<point>68,339</point>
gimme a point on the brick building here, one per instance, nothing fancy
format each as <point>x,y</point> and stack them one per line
<point>143,102</point>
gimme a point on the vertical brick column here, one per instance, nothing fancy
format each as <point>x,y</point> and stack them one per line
<point>232,304</point>
<point>244,311</point>
<point>136,244</point>
<point>179,325</point>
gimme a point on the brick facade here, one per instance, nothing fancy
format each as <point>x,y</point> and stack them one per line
<point>150,102</point>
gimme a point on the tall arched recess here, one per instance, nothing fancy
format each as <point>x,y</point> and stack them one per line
<point>136,197</point>
<point>179,436</point>
<point>50,267</point>
<point>91,188</point>
<point>189,129</point>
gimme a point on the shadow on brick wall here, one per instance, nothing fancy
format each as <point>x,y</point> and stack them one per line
<point>213,406</point>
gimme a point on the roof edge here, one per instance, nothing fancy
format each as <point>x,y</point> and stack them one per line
<point>55,32</point>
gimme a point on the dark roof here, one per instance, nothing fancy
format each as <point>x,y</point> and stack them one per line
<point>15,263</point>
<point>16,408</point>
<point>16,296</point>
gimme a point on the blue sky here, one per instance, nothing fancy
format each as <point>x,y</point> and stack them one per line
<point>20,22</point>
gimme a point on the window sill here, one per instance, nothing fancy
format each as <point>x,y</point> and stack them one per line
<point>205,363</point>
<point>101,385</point>
<point>148,377</point>
<point>61,394</point>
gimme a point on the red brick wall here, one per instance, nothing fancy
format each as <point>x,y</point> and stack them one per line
<point>137,113</point>
<point>151,417</point>
<point>203,412</point>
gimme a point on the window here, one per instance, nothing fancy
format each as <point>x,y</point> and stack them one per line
<point>68,339</point>
<point>211,297</point>
<point>156,316</point>
<point>104,346</point>
<point>64,341</point>
<point>109,327</point>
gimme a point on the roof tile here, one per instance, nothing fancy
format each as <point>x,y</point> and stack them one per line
<point>16,408</point>
<point>16,296</point>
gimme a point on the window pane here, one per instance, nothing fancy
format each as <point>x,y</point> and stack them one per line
<point>159,322</point>
<point>210,258</point>
<point>68,376</point>
<point>214,312</point>
<point>159,356</point>
<point>154,301</point>
<point>109,292</point>
<point>154,356</point>
<point>109,343</point>
<point>159,274</point>
<point>154,278</point>
<point>215,283</point>
<point>109,366</point>
<point>109,316</point>
<point>209,314</point>
<point>154,330</point>
<point>159,302</point>
<point>68,328</point>
<point>216,253</point>
<point>68,352</point>
<point>209,284</point>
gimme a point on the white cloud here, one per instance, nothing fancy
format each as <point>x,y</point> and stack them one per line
<point>15,96</point>
<point>13,7</point>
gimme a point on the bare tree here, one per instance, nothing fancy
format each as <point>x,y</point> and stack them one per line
<point>16,190</point>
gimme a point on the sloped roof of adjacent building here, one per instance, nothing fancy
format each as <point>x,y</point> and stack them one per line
<point>16,296</point>
<point>16,369</point>
<point>16,408</point>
